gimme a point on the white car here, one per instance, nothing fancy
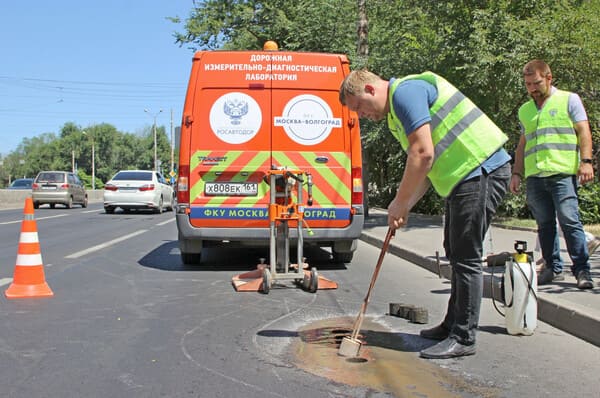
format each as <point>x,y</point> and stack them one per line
<point>138,189</point>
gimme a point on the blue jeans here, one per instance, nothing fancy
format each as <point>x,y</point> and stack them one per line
<point>555,197</point>
<point>469,211</point>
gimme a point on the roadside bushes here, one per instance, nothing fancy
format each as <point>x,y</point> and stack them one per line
<point>589,203</point>
<point>513,206</point>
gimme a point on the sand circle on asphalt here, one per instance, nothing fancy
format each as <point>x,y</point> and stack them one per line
<point>385,362</point>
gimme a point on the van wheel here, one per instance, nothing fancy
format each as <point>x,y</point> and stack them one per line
<point>69,204</point>
<point>343,257</point>
<point>190,258</point>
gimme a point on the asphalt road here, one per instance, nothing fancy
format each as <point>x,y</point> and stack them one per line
<point>129,320</point>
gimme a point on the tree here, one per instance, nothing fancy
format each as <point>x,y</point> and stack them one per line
<point>113,151</point>
<point>39,153</point>
<point>305,25</point>
<point>479,45</point>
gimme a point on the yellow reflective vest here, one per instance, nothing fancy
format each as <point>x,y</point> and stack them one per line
<point>551,145</point>
<point>463,136</point>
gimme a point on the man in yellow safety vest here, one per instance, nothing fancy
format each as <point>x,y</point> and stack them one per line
<point>554,155</point>
<point>452,145</point>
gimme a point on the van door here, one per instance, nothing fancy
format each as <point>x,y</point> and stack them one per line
<point>309,135</point>
<point>230,154</point>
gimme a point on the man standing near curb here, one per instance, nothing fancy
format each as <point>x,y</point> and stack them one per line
<point>451,143</point>
<point>554,155</point>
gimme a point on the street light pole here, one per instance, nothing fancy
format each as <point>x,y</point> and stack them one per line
<point>154,133</point>
<point>93,164</point>
<point>172,146</point>
<point>93,159</point>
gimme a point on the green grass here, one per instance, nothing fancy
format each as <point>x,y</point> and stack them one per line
<point>528,223</point>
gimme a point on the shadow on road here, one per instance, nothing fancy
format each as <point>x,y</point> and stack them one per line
<point>167,257</point>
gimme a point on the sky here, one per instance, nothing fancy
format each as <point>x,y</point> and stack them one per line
<point>90,62</point>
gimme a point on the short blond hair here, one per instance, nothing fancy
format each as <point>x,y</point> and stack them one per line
<point>536,66</point>
<point>354,83</point>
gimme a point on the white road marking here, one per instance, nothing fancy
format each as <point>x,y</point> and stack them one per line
<point>5,281</point>
<point>160,224</point>
<point>36,218</point>
<point>105,244</point>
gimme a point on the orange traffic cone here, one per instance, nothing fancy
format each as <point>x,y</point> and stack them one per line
<point>29,279</point>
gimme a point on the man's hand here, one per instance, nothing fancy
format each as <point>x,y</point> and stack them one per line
<point>585,173</point>
<point>397,214</point>
<point>515,183</point>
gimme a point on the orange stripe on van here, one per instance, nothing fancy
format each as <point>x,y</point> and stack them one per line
<point>234,175</point>
<point>330,184</point>
<point>332,179</point>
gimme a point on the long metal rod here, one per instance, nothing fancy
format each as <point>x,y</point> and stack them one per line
<point>363,308</point>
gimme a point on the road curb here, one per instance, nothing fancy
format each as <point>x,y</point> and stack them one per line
<point>563,315</point>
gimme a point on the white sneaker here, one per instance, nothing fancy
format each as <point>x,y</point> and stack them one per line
<point>593,245</point>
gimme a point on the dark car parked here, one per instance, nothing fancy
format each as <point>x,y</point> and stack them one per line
<point>21,183</point>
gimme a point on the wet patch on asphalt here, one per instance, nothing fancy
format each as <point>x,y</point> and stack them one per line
<point>385,362</point>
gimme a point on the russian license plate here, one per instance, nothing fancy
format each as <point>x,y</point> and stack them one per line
<point>231,189</point>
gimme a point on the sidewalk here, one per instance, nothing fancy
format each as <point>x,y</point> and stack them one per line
<point>560,304</point>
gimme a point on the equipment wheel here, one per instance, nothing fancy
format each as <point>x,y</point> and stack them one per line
<point>313,284</point>
<point>305,281</point>
<point>267,281</point>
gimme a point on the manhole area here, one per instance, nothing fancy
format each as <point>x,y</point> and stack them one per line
<point>383,362</point>
<point>330,336</point>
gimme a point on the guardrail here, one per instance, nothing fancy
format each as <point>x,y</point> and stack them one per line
<point>15,198</point>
